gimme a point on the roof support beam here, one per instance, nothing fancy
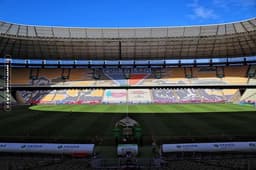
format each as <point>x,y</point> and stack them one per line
<point>3,51</point>
<point>38,41</point>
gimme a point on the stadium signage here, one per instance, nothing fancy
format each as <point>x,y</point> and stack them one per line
<point>210,147</point>
<point>7,83</point>
<point>47,148</point>
<point>253,145</point>
<point>186,146</point>
<point>2,145</point>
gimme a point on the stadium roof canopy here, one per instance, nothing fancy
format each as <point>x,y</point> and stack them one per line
<point>220,40</point>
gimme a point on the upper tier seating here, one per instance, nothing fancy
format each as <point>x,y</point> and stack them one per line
<point>136,79</point>
<point>20,76</point>
<point>204,72</point>
<point>252,81</point>
<point>117,76</point>
<point>170,76</point>
<point>53,75</point>
<point>130,77</point>
<point>205,75</point>
<point>235,74</point>
<point>133,77</point>
<point>176,76</point>
<point>252,71</point>
<point>80,77</point>
<point>79,74</point>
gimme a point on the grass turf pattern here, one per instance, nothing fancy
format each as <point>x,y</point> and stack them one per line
<point>23,123</point>
<point>146,108</point>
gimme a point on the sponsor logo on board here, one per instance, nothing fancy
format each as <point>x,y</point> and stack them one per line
<point>224,145</point>
<point>2,145</point>
<point>252,144</point>
<point>60,147</point>
<point>186,146</point>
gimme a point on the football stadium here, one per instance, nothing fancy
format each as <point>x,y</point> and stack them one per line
<point>128,98</point>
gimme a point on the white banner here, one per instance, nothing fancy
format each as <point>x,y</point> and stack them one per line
<point>47,148</point>
<point>210,147</point>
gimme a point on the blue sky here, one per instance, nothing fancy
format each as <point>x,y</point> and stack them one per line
<point>125,13</point>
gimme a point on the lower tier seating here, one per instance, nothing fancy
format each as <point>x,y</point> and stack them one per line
<point>132,96</point>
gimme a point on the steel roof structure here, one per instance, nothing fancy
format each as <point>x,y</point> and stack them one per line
<point>208,41</point>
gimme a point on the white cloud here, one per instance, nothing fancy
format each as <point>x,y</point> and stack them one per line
<point>201,12</point>
<point>204,13</point>
<point>235,3</point>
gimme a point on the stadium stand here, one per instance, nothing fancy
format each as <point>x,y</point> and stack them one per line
<point>205,75</point>
<point>211,95</point>
<point>252,71</point>
<point>20,76</point>
<point>112,72</point>
<point>167,76</point>
<point>237,75</point>
<point>135,77</point>
<point>48,98</point>
<point>188,96</point>
<point>60,96</point>
<point>175,76</point>
<point>132,96</point>
<point>204,72</point>
<point>53,75</point>
<point>115,96</point>
<point>139,96</point>
<point>232,95</point>
<point>163,96</point>
<point>91,96</point>
<point>80,77</point>
<point>117,76</point>
<point>249,95</point>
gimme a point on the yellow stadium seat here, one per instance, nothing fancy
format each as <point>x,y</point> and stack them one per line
<point>20,76</point>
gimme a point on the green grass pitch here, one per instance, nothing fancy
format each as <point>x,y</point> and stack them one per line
<point>147,108</point>
<point>44,122</point>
